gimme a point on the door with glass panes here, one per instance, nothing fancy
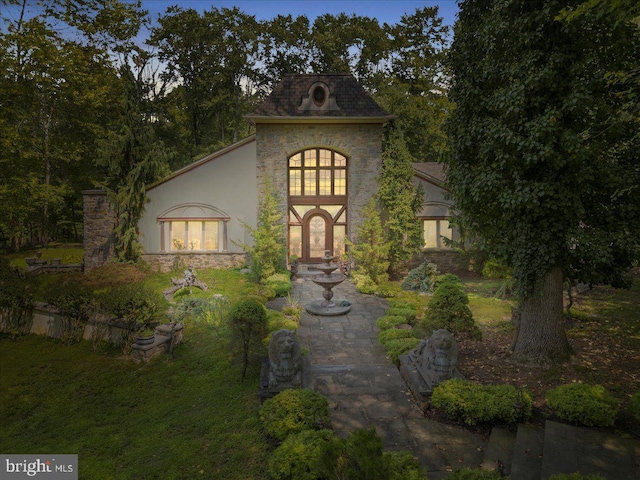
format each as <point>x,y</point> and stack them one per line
<point>317,202</point>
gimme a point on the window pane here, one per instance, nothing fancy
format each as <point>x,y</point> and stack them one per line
<point>295,240</point>
<point>430,231</point>
<point>340,182</point>
<point>302,210</point>
<point>194,235</point>
<point>325,182</point>
<point>325,158</point>
<point>317,236</point>
<point>310,158</point>
<point>339,160</point>
<point>296,160</point>
<point>178,236</point>
<point>445,231</point>
<point>332,209</point>
<point>338,240</point>
<point>310,182</point>
<point>295,182</point>
<point>211,236</point>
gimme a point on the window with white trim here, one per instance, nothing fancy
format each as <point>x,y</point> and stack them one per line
<point>193,228</point>
<point>194,235</point>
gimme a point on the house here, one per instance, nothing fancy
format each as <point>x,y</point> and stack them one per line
<point>318,143</point>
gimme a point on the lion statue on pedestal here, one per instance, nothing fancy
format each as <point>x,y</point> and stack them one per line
<point>285,359</point>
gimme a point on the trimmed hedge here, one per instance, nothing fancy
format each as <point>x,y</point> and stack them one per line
<point>308,455</point>
<point>400,346</point>
<point>294,411</point>
<point>474,404</point>
<point>390,321</point>
<point>407,312</point>
<point>590,405</point>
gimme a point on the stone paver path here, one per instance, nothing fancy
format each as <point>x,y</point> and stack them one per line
<point>350,367</point>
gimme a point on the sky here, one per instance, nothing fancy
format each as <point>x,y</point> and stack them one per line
<point>386,11</point>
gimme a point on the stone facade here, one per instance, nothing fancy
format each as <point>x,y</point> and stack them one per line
<point>166,262</point>
<point>360,143</point>
<point>99,220</point>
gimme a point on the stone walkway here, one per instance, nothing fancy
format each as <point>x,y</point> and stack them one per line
<point>350,367</point>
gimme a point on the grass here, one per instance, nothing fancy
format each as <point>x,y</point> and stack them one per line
<point>66,254</point>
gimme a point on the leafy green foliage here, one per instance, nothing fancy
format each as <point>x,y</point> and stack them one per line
<point>16,301</point>
<point>403,466</point>
<point>494,270</point>
<point>362,457</point>
<point>590,405</point>
<point>422,278</point>
<point>408,313</point>
<point>308,455</point>
<point>370,251</point>
<point>294,411</point>
<point>268,250</point>
<point>389,321</point>
<point>449,309</point>
<point>364,283</point>
<point>212,311</point>
<point>401,200</point>
<point>474,404</point>
<point>76,304</point>
<point>400,346</point>
<point>136,304</point>
<point>634,405</point>
<point>280,282</point>
<point>248,319</point>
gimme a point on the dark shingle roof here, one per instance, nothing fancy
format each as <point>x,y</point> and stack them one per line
<point>290,99</point>
<point>431,171</point>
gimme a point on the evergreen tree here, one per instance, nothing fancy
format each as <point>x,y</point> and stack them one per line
<point>401,200</point>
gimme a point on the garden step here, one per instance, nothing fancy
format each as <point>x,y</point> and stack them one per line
<point>527,453</point>
<point>499,451</point>
<point>569,449</point>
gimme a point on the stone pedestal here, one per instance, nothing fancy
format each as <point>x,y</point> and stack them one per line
<point>161,343</point>
<point>265,391</point>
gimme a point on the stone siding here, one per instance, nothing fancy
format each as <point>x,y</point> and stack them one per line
<point>448,261</point>
<point>99,220</point>
<point>166,262</point>
<point>360,143</point>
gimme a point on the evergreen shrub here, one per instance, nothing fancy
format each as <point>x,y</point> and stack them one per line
<point>16,301</point>
<point>294,411</point>
<point>362,457</point>
<point>403,466</point>
<point>447,278</point>
<point>474,404</point>
<point>495,270</point>
<point>407,312</point>
<point>394,334</point>
<point>248,319</point>
<point>449,309</point>
<point>400,346</point>
<point>422,278</point>
<point>390,321</point>
<point>280,283</point>
<point>364,283</point>
<point>308,455</point>
<point>590,405</point>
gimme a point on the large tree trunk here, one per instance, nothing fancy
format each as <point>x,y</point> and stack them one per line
<point>540,336</point>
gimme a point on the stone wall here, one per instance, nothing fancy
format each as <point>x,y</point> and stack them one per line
<point>448,261</point>
<point>165,262</point>
<point>99,220</point>
<point>360,143</point>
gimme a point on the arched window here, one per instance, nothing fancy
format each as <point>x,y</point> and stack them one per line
<point>317,203</point>
<point>193,227</point>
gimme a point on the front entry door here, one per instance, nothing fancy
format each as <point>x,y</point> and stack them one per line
<point>316,238</point>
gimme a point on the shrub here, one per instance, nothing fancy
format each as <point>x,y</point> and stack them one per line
<point>249,323</point>
<point>394,334</point>
<point>449,309</point>
<point>210,311</point>
<point>135,304</point>
<point>403,303</point>
<point>590,405</point>
<point>408,313</point>
<point>16,301</point>
<point>400,346</point>
<point>76,305</point>
<point>447,278</point>
<point>634,406</point>
<point>277,321</point>
<point>495,270</point>
<point>280,283</point>
<point>472,404</point>
<point>362,457</point>
<point>386,290</point>
<point>389,321</point>
<point>403,466</point>
<point>294,411</point>
<point>308,455</point>
<point>364,284</point>
<point>575,476</point>
<point>421,278</point>
<point>475,474</point>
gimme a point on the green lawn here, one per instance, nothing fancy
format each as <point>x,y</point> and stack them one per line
<point>67,254</point>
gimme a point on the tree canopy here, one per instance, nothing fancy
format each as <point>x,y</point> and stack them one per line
<point>542,163</point>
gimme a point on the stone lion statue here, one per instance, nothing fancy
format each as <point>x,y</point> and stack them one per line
<point>285,359</point>
<point>437,356</point>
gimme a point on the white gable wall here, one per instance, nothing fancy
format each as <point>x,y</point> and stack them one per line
<point>225,181</point>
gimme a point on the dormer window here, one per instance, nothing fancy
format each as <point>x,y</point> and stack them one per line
<point>319,95</point>
<point>318,99</point>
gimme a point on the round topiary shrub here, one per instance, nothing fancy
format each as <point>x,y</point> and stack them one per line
<point>473,404</point>
<point>294,411</point>
<point>590,405</point>
<point>403,466</point>
<point>407,312</point>
<point>449,309</point>
<point>308,455</point>
<point>249,323</point>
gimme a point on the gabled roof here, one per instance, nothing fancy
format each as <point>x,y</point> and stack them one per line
<point>340,98</point>
<point>431,171</point>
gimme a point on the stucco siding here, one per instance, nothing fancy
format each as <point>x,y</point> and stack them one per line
<point>435,203</point>
<point>226,182</point>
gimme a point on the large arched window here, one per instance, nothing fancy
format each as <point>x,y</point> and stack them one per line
<point>317,203</point>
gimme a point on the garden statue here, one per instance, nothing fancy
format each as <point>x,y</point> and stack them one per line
<point>189,280</point>
<point>432,362</point>
<point>285,360</point>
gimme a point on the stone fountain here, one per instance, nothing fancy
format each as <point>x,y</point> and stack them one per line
<point>328,279</point>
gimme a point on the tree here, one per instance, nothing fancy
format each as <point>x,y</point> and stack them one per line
<point>401,201</point>
<point>542,165</point>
